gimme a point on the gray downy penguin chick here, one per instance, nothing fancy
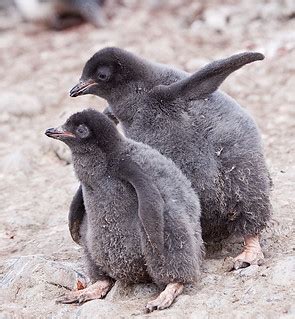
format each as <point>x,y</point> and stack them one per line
<point>142,218</point>
<point>61,14</point>
<point>213,140</point>
<point>77,208</point>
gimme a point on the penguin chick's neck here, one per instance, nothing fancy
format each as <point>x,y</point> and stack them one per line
<point>92,164</point>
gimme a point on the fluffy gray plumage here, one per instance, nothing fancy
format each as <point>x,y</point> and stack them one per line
<point>142,220</point>
<point>212,139</point>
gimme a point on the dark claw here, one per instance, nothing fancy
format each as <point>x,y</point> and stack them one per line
<point>231,265</point>
<point>146,310</point>
<point>150,309</point>
<point>82,299</point>
<point>240,264</point>
<point>161,307</point>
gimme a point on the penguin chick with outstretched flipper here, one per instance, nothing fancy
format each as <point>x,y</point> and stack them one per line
<point>142,218</point>
<point>213,140</point>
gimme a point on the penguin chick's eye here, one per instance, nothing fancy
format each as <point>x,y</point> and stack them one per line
<point>82,131</point>
<point>104,73</point>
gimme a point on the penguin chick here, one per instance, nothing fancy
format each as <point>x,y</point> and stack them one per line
<point>142,218</point>
<point>213,140</point>
<point>61,14</point>
<point>77,208</point>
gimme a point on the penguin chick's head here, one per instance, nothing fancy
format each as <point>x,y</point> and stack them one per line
<point>107,70</point>
<point>85,130</point>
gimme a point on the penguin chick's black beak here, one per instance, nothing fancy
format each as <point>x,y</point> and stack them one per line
<point>82,87</point>
<point>58,133</point>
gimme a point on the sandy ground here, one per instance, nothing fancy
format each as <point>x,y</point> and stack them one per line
<point>38,67</point>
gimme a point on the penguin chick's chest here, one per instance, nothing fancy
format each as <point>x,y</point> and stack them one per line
<point>113,230</point>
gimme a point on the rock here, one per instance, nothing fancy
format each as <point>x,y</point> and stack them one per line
<point>248,271</point>
<point>28,275</point>
<point>283,273</point>
<point>20,104</point>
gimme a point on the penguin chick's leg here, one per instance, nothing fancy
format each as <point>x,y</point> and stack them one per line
<point>96,291</point>
<point>165,298</point>
<point>252,254</point>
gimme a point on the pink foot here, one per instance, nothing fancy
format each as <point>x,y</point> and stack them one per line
<point>165,298</point>
<point>252,254</point>
<point>96,291</point>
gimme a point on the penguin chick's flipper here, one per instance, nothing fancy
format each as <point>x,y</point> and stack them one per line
<point>96,291</point>
<point>76,215</point>
<point>205,81</point>
<point>166,297</point>
<point>251,255</point>
<point>150,202</point>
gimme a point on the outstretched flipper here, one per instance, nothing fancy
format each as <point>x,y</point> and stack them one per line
<point>76,215</point>
<point>205,81</point>
<point>150,202</point>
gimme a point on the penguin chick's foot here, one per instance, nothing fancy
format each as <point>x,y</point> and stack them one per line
<point>96,291</point>
<point>165,298</point>
<point>252,254</point>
